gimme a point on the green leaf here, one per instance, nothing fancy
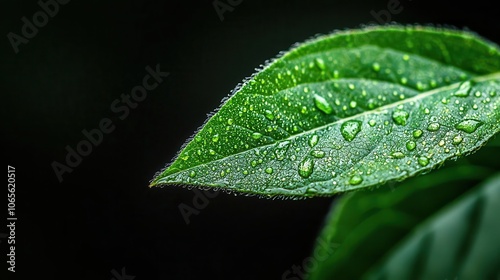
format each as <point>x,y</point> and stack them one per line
<point>346,111</point>
<point>373,230</point>
<point>462,241</point>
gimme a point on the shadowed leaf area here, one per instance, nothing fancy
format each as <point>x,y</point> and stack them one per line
<point>431,227</point>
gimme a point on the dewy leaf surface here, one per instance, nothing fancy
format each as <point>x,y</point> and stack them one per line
<point>348,110</point>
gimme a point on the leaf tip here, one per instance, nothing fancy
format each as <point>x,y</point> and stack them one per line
<point>154,182</point>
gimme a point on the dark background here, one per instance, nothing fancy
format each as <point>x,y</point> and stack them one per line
<point>103,216</point>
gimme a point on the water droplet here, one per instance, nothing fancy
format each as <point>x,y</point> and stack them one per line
<point>493,93</point>
<point>322,104</point>
<point>269,115</point>
<point>306,168</point>
<point>468,126</point>
<point>320,63</point>
<point>215,138</point>
<point>464,89</point>
<point>423,161</point>
<point>355,180</point>
<point>404,81</point>
<point>212,152</point>
<point>313,140</point>
<point>371,103</point>
<point>350,129</point>
<point>433,126</point>
<point>457,140</point>
<point>230,121</point>
<point>269,170</point>
<point>256,135</point>
<point>477,94</point>
<point>306,89</point>
<point>376,67</point>
<point>400,117</point>
<point>372,123</point>
<point>222,173</point>
<point>411,145</point>
<point>441,143</point>
<point>311,190</point>
<point>245,172</point>
<point>398,155</point>
<point>253,163</point>
<point>406,57</point>
<point>417,133</point>
<point>317,154</point>
<point>192,174</point>
<point>282,149</point>
<point>303,110</point>
<point>351,86</point>
<point>427,111</point>
<point>353,104</point>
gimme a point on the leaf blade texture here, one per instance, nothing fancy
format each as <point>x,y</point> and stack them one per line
<point>346,111</point>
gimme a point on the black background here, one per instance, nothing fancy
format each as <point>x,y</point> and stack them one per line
<point>103,216</point>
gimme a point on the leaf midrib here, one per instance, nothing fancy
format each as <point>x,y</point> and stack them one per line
<point>422,95</point>
<point>477,79</point>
